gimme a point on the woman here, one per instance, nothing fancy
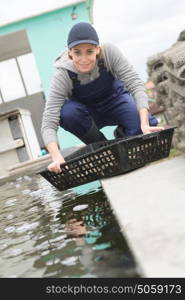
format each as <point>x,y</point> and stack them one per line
<point>93,87</point>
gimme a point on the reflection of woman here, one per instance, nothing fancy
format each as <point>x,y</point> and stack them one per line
<point>75,228</point>
<point>93,87</point>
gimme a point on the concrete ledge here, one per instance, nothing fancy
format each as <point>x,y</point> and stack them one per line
<point>30,167</point>
<point>150,207</point>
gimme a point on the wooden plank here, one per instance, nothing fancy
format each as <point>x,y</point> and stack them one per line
<point>12,145</point>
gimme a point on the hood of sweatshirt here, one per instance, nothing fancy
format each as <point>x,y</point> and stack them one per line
<point>64,62</point>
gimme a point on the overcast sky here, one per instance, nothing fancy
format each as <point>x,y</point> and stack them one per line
<point>140,28</point>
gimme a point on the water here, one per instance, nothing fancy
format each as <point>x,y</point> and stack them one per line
<point>47,233</point>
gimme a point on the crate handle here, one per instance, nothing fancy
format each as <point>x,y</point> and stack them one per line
<point>157,133</point>
<point>150,135</point>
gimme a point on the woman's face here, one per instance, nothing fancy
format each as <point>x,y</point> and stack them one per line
<point>84,57</point>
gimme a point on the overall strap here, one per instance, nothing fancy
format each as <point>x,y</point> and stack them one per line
<point>73,77</point>
<point>101,65</point>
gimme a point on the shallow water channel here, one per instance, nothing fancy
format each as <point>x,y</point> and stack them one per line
<point>47,233</point>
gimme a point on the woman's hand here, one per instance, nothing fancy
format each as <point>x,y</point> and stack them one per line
<point>56,156</point>
<point>149,129</point>
<point>55,166</point>
<point>145,127</point>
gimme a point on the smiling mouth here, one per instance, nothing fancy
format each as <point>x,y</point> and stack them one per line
<point>85,65</point>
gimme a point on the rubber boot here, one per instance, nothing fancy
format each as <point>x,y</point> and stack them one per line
<point>118,132</point>
<point>93,135</point>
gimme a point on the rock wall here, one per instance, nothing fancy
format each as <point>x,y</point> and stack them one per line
<point>167,71</point>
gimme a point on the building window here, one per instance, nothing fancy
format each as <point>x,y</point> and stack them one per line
<point>18,78</point>
<point>30,74</point>
<point>10,81</point>
<point>1,100</point>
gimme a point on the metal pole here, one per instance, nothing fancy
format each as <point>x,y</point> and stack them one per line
<point>21,76</point>
<point>1,96</point>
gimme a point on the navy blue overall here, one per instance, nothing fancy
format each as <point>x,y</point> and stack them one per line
<point>104,101</point>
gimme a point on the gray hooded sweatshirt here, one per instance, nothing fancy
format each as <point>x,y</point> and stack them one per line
<point>61,86</point>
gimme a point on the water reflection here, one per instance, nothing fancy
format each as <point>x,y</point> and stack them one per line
<point>46,233</point>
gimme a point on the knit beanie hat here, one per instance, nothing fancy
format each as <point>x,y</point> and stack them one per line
<point>82,33</point>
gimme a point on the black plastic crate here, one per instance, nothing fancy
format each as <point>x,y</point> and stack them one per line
<point>109,158</point>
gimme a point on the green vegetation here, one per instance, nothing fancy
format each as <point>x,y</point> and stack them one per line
<point>174,152</point>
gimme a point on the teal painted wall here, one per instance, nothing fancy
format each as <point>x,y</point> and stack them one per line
<point>47,35</point>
